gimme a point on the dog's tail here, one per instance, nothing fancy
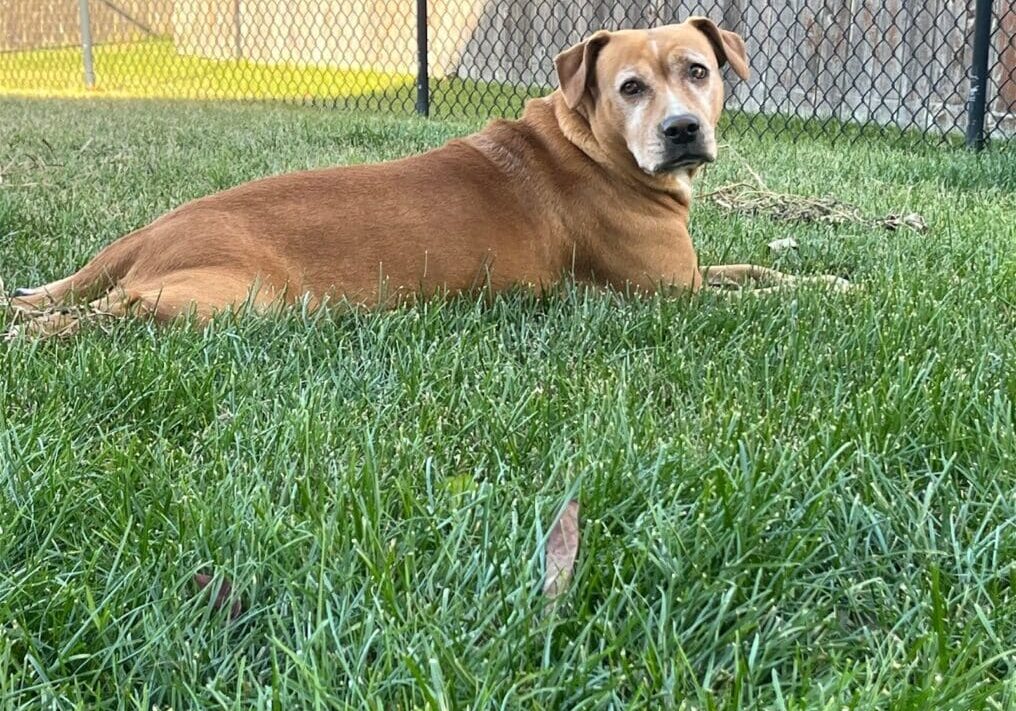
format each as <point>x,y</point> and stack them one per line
<point>100,275</point>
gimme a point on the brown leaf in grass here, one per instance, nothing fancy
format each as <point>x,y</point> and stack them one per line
<point>224,595</point>
<point>562,549</point>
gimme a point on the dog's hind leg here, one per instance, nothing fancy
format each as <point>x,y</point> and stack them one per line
<point>53,321</point>
<point>48,325</point>
<point>100,275</point>
<point>41,297</point>
<point>200,293</point>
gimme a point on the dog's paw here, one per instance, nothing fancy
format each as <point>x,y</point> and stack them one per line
<point>837,284</point>
<point>11,334</point>
<point>48,325</point>
<point>840,284</point>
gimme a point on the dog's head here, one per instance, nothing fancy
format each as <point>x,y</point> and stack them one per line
<point>653,97</point>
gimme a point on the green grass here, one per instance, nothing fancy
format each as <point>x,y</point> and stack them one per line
<point>795,501</point>
<point>156,70</point>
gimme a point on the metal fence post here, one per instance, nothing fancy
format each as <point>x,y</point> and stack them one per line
<point>979,76</point>
<point>422,70</point>
<point>86,44</point>
<point>238,29</point>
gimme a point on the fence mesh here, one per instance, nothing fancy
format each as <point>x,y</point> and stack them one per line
<point>889,64</point>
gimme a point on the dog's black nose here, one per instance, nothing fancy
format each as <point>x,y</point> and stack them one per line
<point>680,128</point>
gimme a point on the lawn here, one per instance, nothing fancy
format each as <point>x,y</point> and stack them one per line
<point>156,70</point>
<point>804,500</point>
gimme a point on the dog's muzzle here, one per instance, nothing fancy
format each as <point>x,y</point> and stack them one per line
<point>684,143</point>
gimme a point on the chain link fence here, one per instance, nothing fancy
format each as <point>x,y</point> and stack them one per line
<point>927,69</point>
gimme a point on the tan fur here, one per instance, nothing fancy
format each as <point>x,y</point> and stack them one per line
<point>558,192</point>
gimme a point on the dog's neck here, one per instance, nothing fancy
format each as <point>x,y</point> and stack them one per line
<point>575,127</point>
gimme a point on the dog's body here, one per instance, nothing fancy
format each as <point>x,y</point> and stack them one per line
<point>515,204</point>
<point>589,183</point>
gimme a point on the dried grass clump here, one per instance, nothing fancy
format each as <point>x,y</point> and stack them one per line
<point>755,198</point>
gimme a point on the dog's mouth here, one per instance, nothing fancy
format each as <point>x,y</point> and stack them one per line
<point>688,160</point>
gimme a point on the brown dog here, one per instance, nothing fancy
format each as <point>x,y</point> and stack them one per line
<point>594,181</point>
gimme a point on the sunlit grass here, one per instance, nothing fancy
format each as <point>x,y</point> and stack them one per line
<point>157,70</point>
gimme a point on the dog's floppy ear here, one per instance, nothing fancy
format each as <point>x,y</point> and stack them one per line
<point>729,46</point>
<point>576,67</point>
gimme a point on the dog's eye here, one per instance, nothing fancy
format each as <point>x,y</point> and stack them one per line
<point>698,71</point>
<point>632,87</point>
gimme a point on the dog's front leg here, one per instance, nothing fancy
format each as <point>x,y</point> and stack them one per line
<point>738,277</point>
